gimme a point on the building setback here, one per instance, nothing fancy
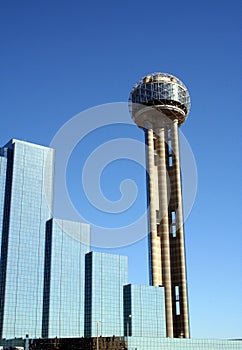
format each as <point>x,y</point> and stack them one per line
<point>144,311</point>
<point>67,243</point>
<point>106,274</point>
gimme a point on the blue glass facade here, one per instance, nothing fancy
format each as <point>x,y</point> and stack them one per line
<point>105,276</point>
<point>144,343</point>
<point>67,243</point>
<point>144,311</point>
<point>27,205</point>
<point>3,170</point>
<point>5,173</point>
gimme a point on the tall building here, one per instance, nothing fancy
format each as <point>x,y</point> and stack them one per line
<point>26,181</point>
<point>106,274</point>
<point>67,243</point>
<point>160,103</point>
<point>42,261</point>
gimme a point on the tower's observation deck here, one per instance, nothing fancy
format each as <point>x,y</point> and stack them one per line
<point>162,91</point>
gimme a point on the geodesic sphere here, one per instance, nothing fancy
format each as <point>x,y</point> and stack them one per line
<point>164,92</point>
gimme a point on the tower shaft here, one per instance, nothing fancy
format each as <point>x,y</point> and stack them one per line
<point>167,251</point>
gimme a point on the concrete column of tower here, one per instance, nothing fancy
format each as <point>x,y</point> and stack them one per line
<point>155,243</point>
<point>164,231</point>
<point>179,279</point>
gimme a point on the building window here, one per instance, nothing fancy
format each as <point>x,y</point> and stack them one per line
<point>173,224</point>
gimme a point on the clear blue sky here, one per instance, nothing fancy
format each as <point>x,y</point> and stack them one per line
<point>58,58</point>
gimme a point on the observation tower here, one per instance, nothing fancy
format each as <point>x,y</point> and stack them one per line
<point>159,103</point>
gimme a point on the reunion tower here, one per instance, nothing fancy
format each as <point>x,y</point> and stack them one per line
<point>160,103</point>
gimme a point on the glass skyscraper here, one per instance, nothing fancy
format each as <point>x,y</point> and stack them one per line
<point>26,181</point>
<point>67,243</point>
<point>105,276</point>
<point>42,261</point>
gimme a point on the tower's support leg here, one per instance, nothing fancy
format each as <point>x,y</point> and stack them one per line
<point>181,321</point>
<point>154,240</point>
<point>164,231</point>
